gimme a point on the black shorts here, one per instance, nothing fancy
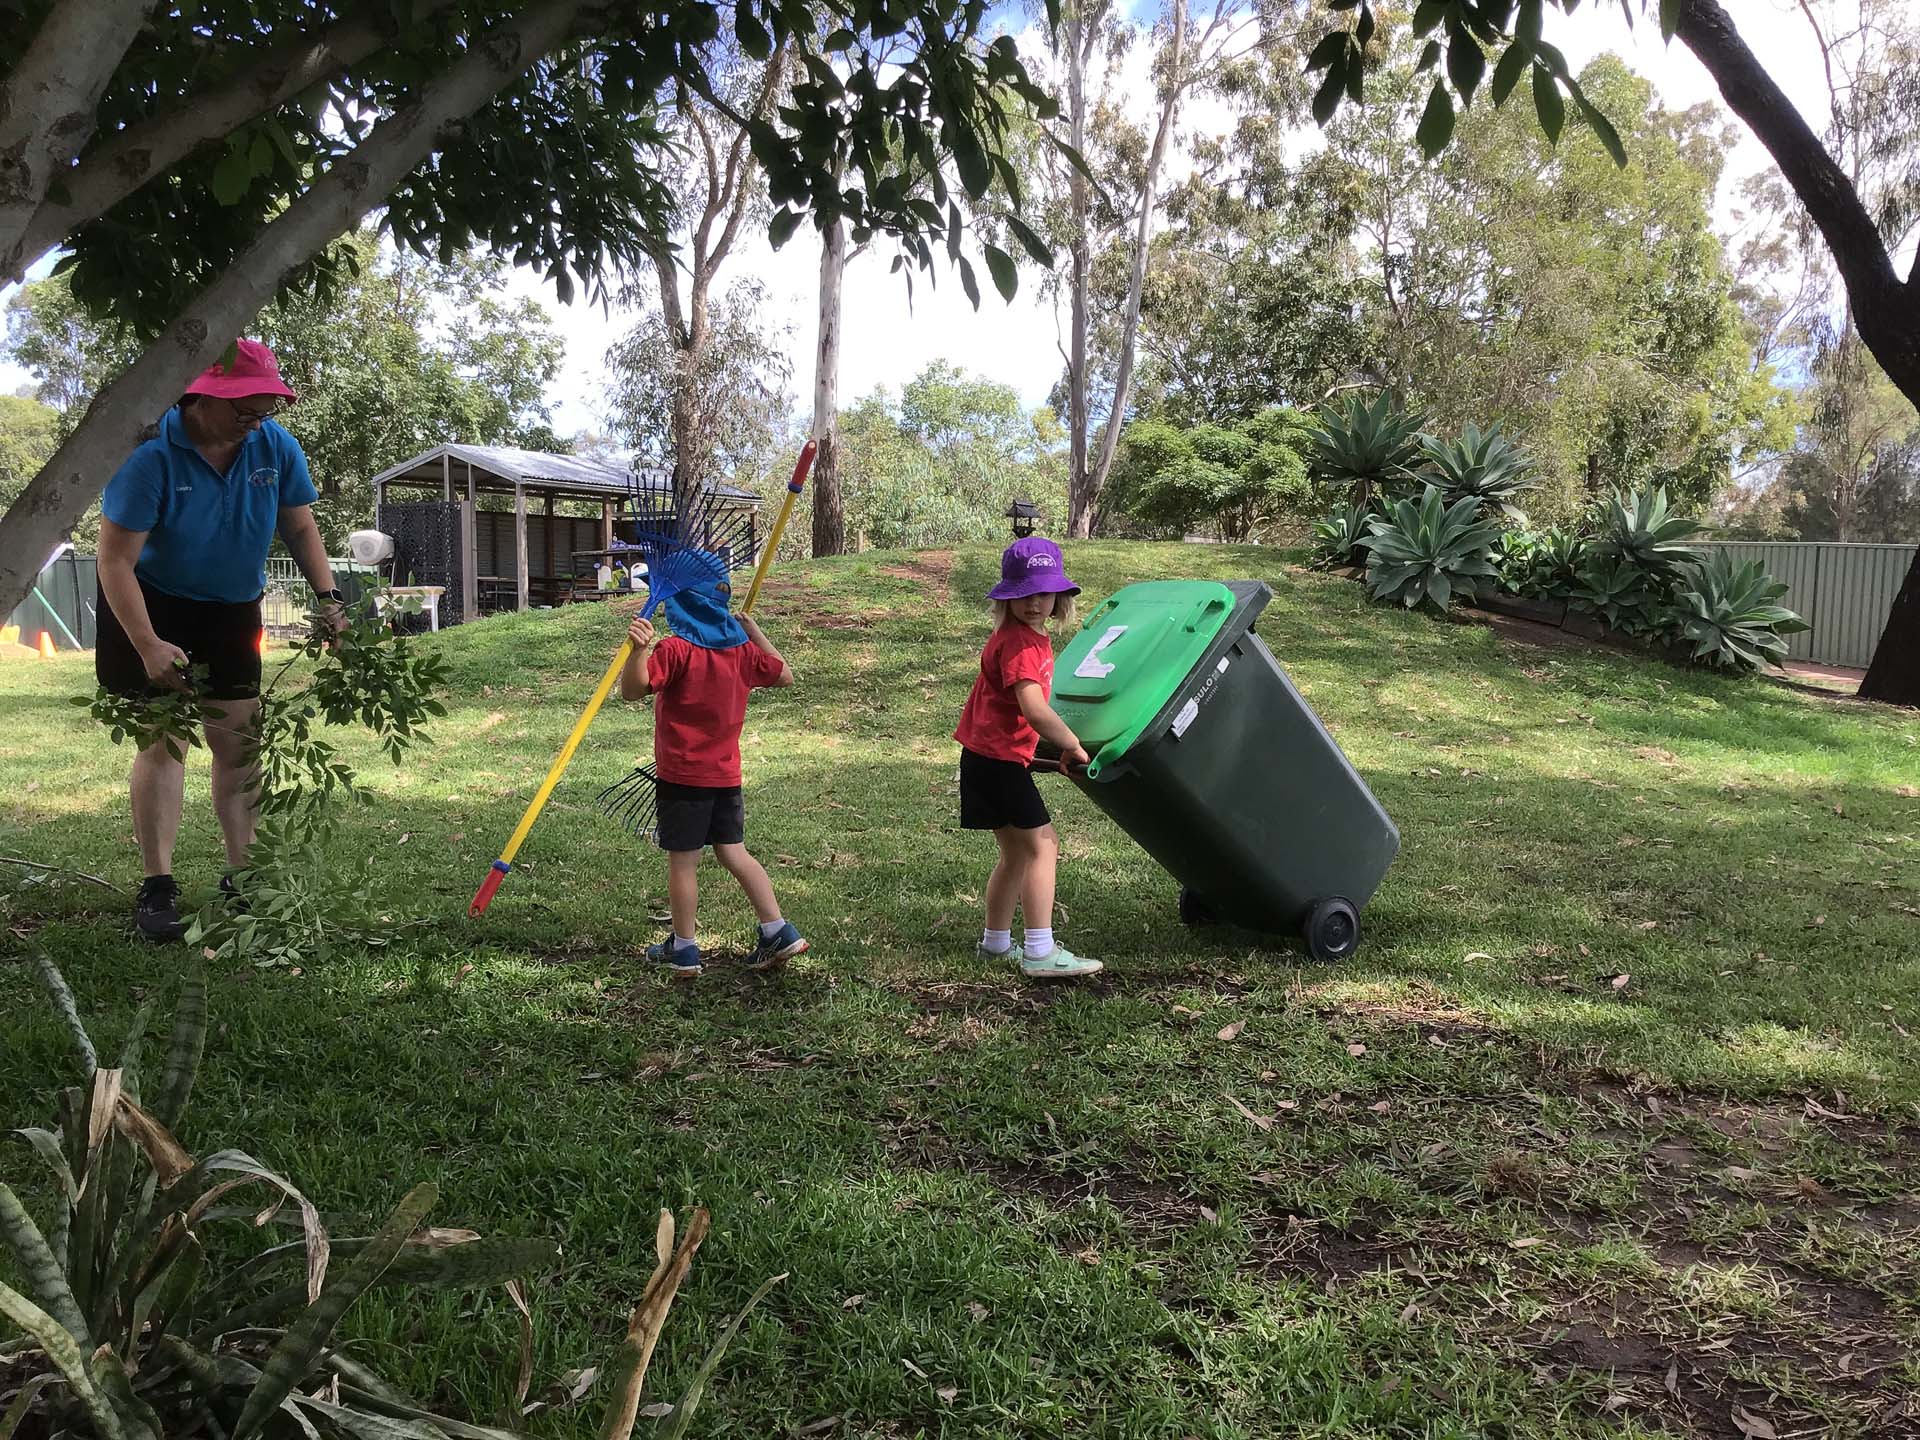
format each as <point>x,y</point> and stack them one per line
<point>997,793</point>
<point>223,637</point>
<point>695,816</point>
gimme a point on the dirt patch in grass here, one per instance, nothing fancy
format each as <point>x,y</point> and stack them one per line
<point>933,569</point>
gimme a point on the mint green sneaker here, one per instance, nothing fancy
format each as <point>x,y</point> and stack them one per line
<point>1058,963</point>
<point>1012,952</point>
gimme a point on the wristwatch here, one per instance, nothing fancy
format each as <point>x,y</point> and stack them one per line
<point>339,597</point>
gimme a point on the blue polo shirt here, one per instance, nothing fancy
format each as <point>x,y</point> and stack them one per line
<point>207,534</point>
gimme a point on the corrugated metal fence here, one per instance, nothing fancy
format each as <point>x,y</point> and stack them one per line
<point>1843,591</point>
<point>63,606</point>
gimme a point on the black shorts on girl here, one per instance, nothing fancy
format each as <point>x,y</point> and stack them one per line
<point>997,793</point>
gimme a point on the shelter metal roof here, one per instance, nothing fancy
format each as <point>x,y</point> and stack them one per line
<point>537,470</point>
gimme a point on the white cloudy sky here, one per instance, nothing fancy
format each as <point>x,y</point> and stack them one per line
<point>887,339</point>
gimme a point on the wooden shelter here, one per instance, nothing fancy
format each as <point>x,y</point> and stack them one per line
<point>499,558</point>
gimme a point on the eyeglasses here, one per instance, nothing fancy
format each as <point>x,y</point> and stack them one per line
<point>254,417</point>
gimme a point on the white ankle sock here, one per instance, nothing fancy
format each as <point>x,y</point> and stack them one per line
<point>996,942</point>
<point>680,942</point>
<point>770,928</point>
<point>1038,944</point>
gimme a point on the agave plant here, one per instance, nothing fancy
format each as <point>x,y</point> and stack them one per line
<point>1337,535</point>
<point>138,1327</point>
<point>1621,594</point>
<point>1558,557</point>
<point>1513,559</point>
<point>1641,530</point>
<point>1487,466</point>
<point>1427,551</point>
<point>1730,615</point>
<point>1366,447</point>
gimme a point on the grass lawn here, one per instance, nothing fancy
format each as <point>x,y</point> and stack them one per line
<point>1608,1130</point>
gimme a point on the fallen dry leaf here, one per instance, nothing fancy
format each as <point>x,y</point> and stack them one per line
<point>1673,1379</point>
<point>1230,1032</point>
<point>1184,1010</point>
<point>1585,951</point>
<point>1208,1214</point>
<point>1811,1189</point>
<point>1649,925</point>
<point>947,1393</point>
<point>1356,1049</point>
<point>658,1410</point>
<point>853,1302</point>
<point>1286,1105</point>
<point>1910,792</point>
<point>1816,1111</point>
<point>1619,982</point>
<point>1525,1242</point>
<point>1752,1426</point>
<point>913,1369</point>
<point>1263,1122</point>
<point>1479,955</point>
<point>978,1311</point>
<point>1088,1256</point>
<point>1380,1107</point>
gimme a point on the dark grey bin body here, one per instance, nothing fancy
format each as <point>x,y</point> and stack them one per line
<point>1237,789</point>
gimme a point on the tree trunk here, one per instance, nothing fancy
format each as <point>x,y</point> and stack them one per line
<point>1887,310</point>
<point>1080,35</point>
<point>1136,281</point>
<point>829,508</point>
<point>49,102</point>
<point>67,484</point>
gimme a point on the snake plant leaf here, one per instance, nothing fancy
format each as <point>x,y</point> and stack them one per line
<point>200,1184</point>
<point>299,1350</point>
<point>369,1425</point>
<point>368,1400</point>
<point>166,1155</point>
<point>46,1145</point>
<point>42,1272</point>
<point>184,1050</point>
<point>676,1427</point>
<point>55,985</point>
<point>110,1377</point>
<point>58,1346</point>
<point>629,1367</point>
<point>29,1392</point>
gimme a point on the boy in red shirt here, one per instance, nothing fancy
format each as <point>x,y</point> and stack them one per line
<point>701,676</point>
<point>1006,715</point>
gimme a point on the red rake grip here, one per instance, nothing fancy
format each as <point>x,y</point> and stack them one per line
<point>483,897</point>
<point>802,466</point>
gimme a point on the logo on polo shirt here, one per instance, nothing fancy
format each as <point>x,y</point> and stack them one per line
<point>264,476</point>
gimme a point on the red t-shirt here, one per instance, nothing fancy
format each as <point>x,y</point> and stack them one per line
<point>700,703</point>
<point>991,724</point>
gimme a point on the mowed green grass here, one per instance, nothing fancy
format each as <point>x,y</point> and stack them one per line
<point>1492,1187</point>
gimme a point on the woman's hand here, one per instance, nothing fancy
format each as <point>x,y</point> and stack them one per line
<point>166,664</point>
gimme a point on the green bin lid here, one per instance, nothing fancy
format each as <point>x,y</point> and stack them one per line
<point>1131,656</point>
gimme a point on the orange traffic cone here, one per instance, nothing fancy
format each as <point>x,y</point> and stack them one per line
<point>46,646</point>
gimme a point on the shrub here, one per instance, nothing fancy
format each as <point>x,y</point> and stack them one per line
<point>1540,565</point>
<point>1626,597</point>
<point>1640,530</point>
<point>1337,536</point>
<point>1363,448</point>
<point>140,1323</point>
<point>1232,480</point>
<point>1730,615</point>
<point>1488,466</point>
<point>1425,552</point>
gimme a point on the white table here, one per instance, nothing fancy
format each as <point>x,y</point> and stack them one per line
<point>429,595</point>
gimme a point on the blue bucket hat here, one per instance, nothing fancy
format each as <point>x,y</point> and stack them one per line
<point>701,615</point>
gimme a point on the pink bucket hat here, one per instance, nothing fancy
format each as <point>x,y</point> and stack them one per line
<point>254,372</point>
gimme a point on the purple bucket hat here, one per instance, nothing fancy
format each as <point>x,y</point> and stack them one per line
<point>1032,566</point>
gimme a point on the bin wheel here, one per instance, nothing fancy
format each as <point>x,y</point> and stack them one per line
<point>1332,930</point>
<point>1193,909</point>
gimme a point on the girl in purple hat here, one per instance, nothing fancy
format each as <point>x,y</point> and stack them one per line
<point>1005,718</point>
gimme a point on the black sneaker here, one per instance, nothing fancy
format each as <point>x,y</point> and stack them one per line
<point>156,909</point>
<point>230,893</point>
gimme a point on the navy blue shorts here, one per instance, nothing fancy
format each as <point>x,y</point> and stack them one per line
<point>997,793</point>
<point>693,817</point>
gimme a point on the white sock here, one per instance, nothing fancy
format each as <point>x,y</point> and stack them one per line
<point>771,928</point>
<point>1038,944</point>
<point>680,942</point>
<point>996,942</point>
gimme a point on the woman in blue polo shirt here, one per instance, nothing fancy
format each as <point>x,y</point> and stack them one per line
<point>187,523</point>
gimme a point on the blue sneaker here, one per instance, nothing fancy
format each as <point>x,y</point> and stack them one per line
<point>770,952</point>
<point>684,959</point>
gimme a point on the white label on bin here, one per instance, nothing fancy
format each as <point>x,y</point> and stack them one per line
<point>1091,667</point>
<point>1188,713</point>
<point>1221,668</point>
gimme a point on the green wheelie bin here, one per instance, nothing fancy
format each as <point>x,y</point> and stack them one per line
<point>1205,754</point>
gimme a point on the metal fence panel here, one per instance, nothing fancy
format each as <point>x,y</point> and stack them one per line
<point>64,606</point>
<point>1843,591</point>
